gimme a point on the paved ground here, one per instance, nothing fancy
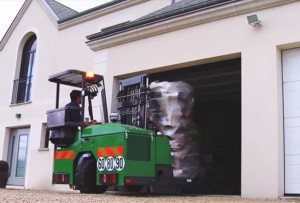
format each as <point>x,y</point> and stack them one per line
<point>32,196</point>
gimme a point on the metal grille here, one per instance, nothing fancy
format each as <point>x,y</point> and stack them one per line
<point>132,101</point>
<point>21,90</point>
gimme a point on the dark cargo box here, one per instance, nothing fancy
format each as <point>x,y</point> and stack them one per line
<point>62,125</point>
<point>64,135</point>
<point>62,117</point>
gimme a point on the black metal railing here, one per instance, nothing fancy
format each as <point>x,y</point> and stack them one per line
<point>21,90</point>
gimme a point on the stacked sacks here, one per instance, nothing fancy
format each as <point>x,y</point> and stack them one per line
<point>170,110</point>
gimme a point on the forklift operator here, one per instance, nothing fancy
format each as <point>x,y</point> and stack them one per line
<point>75,97</point>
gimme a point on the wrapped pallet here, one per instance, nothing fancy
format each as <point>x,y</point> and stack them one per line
<point>170,109</point>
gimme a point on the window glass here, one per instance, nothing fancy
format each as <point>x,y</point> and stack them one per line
<point>21,158</point>
<point>23,85</point>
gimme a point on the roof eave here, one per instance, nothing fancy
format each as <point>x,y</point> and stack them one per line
<point>158,18</point>
<point>49,11</point>
<point>14,24</point>
<point>20,14</point>
<point>95,13</point>
<point>91,10</point>
<point>159,27</point>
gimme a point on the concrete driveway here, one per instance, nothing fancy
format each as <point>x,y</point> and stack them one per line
<point>32,196</point>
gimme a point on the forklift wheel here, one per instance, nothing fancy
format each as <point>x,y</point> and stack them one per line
<point>85,178</point>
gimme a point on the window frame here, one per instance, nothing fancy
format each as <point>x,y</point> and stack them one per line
<point>22,85</point>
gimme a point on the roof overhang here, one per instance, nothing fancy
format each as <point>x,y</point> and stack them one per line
<point>20,14</point>
<point>14,24</point>
<point>80,18</point>
<point>74,78</point>
<point>183,21</point>
<point>91,14</point>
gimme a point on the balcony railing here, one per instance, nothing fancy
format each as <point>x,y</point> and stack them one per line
<point>21,90</point>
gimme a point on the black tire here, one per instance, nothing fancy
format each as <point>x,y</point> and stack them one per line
<point>85,178</point>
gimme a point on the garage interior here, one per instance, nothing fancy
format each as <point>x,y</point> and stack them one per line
<point>217,115</point>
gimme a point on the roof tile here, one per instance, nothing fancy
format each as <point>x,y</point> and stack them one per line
<point>61,10</point>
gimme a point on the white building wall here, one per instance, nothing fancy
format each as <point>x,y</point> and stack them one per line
<point>56,51</point>
<point>259,49</point>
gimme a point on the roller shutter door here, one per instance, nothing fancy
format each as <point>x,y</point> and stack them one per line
<point>291,94</point>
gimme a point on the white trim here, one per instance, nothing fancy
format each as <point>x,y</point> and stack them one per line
<point>99,13</point>
<point>15,187</point>
<point>19,104</point>
<point>20,14</point>
<point>209,15</point>
<point>14,23</point>
<point>43,149</point>
<point>54,18</point>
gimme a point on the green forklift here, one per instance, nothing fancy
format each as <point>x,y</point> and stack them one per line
<point>120,154</point>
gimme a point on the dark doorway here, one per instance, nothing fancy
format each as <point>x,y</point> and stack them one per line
<point>217,115</point>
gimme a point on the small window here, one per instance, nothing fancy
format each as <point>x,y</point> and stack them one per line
<point>45,137</point>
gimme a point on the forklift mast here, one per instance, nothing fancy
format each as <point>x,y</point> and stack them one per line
<point>132,101</point>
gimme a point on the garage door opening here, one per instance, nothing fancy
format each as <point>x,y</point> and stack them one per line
<point>217,115</point>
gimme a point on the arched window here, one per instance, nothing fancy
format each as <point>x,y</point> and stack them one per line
<point>22,85</point>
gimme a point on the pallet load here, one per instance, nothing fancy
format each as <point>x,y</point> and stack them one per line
<point>170,110</point>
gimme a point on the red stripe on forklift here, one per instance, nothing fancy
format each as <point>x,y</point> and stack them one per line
<point>102,152</point>
<point>109,151</point>
<point>71,154</point>
<point>64,154</point>
<point>57,155</point>
<point>99,153</point>
<point>115,151</point>
<point>121,150</point>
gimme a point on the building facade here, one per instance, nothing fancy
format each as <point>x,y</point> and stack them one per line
<point>244,72</point>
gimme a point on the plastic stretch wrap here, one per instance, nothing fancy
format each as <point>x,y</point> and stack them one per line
<point>170,109</point>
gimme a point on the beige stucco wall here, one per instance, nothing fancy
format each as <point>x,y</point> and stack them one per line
<point>259,49</point>
<point>57,50</point>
